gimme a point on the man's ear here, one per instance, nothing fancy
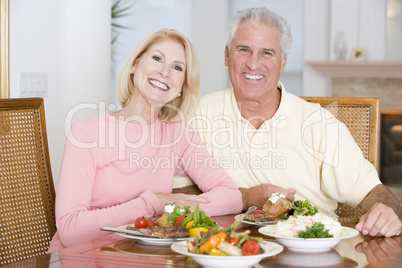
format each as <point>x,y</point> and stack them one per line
<point>226,56</point>
<point>283,63</point>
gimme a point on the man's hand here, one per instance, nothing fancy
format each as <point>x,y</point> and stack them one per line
<point>381,213</point>
<point>380,252</point>
<point>258,195</point>
<point>380,220</point>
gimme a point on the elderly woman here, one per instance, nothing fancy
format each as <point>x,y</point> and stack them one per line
<point>120,166</point>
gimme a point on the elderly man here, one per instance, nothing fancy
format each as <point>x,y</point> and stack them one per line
<point>269,140</point>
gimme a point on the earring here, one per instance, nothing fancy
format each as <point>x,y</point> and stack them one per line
<point>179,95</point>
<point>131,71</point>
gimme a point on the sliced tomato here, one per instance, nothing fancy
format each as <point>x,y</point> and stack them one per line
<point>179,220</point>
<point>141,222</point>
<point>150,222</point>
<point>233,241</point>
<point>257,212</point>
<point>250,248</point>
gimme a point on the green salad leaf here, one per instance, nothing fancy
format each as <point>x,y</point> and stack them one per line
<point>204,221</point>
<point>299,207</point>
<point>303,207</point>
<point>177,211</point>
<point>317,230</point>
<point>200,218</point>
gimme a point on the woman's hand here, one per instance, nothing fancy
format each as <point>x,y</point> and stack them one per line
<point>182,199</point>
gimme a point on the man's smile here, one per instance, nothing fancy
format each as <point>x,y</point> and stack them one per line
<point>252,77</point>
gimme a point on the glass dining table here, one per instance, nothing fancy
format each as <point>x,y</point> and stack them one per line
<point>113,250</point>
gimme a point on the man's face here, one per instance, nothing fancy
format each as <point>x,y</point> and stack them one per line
<point>254,61</point>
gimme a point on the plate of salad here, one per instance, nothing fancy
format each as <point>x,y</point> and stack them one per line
<point>317,233</point>
<point>257,217</point>
<point>195,221</point>
<point>176,224</point>
<point>227,248</point>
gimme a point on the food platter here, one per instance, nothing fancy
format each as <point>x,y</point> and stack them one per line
<point>310,244</point>
<point>264,223</point>
<point>241,217</point>
<point>270,249</point>
<point>146,239</point>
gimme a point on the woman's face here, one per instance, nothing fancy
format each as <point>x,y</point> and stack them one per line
<point>160,72</point>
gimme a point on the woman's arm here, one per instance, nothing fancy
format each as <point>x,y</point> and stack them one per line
<point>211,179</point>
<point>77,219</point>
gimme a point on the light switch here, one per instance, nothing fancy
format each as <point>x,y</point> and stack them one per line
<point>33,84</point>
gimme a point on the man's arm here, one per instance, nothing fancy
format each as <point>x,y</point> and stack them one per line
<point>381,213</point>
<point>380,194</point>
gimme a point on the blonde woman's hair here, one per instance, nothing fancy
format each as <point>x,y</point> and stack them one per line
<point>182,106</point>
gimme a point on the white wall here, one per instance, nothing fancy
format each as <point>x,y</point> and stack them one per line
<point>362,21</point>
<point>70,41</point>
<point>209,34</point>
<point>316,45</point>
<point>394,30</point>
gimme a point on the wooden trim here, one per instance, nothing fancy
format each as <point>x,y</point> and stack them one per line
<point>4,50</point>
<point>358,69</point>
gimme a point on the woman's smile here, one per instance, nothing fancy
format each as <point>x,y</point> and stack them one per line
<point>158,84</point>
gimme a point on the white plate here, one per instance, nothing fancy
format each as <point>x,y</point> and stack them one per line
<point>265,223</point>
<point>270,249</point>
<point>309,244</point>
<point>156,241</point>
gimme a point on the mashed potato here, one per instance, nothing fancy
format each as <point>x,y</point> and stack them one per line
<point>292,226</point>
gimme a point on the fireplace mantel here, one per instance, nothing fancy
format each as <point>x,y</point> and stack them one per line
<point>359,69</point>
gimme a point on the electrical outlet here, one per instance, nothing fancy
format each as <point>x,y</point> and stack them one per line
<point>33,84</point>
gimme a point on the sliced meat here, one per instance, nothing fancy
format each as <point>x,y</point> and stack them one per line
<point>171,232</point>
<point>260,218</point>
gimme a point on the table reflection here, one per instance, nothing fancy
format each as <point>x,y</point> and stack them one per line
<point>114,251</point>
<point>380,251</point>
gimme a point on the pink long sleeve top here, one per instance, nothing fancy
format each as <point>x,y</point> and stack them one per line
<point>112,169</point>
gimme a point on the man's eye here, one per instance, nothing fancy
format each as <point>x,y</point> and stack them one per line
<point>178,68</point>
<point>243,49</point>
<point>267,53</point>
<point>157,58</point>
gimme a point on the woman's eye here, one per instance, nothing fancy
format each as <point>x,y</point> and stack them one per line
<point>178,68</point>
<point>157,58</point>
